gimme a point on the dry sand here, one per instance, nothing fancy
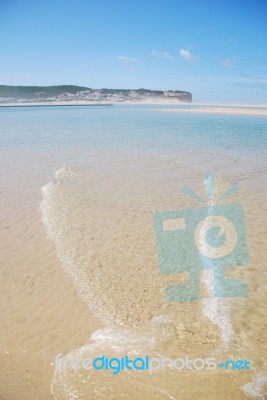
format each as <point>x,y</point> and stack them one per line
<point>221,110</point>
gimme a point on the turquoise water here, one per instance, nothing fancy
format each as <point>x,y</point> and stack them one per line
<point>127,127</point>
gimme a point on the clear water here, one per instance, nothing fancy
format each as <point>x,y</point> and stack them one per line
<point>102,173</point>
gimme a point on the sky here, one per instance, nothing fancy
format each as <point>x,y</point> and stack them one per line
<point>216,49</point>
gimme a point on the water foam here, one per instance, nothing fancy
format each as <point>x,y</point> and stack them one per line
<point>217,310</point>
<point>111,338</point>
<point>55,235</point>
<point>68,384</point>
<point>256,389</point>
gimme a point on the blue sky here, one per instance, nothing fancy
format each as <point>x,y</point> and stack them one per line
<point>215,49</point>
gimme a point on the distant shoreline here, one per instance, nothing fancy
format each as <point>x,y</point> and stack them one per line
<point>231,110</point>
<point>243,110</point>
<point>83,94</point>
<point>90,103</point>
<point>53,105</point>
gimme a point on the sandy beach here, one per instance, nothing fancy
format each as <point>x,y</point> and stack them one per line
<point>234,110</point>
<point>133,198</point>
<point>177,107</point>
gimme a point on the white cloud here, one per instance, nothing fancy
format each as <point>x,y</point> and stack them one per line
<point>186,54</point>
<point>162,54</point>
<point>212,27</point>
<point>228,62</point>
<point>128,60</point>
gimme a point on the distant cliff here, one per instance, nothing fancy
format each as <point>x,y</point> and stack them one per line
<point>66,93</point>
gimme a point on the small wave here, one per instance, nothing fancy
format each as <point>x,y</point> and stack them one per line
<point>217,310</point>
<point>256,389</point>
<point>69,384</point>
<point>49,219</point>
<point>104,239</point>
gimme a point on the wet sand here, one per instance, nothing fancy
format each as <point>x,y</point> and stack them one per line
<point>104,215</point>
<point>42,314</point>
